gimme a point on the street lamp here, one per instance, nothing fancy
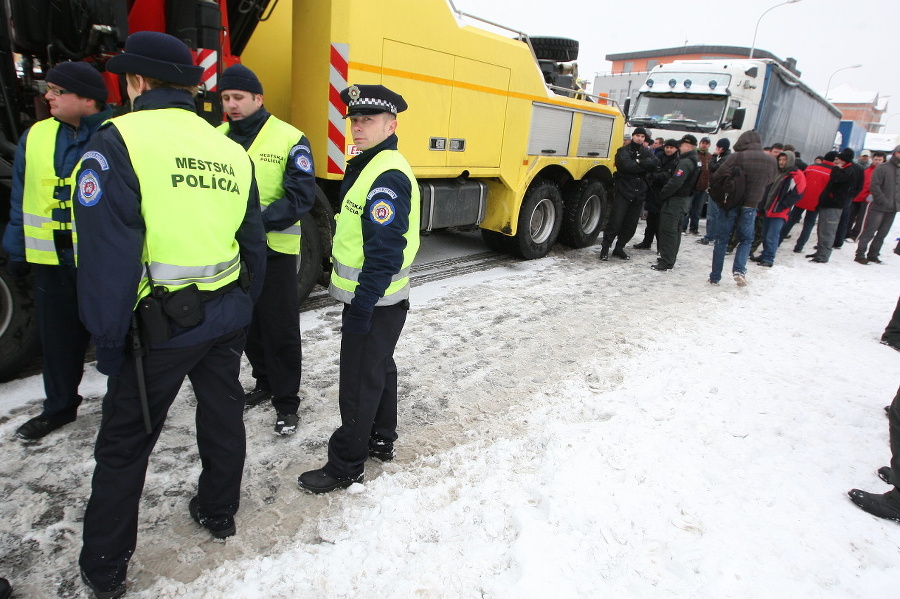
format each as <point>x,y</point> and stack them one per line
<point>753,45</point>
<point>828,87</point>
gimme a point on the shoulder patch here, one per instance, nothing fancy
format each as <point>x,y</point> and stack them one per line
<point>299,148</point>
<point>679,172</point>
<point>303,162</point>
<point>383,212</point>
<point>89,191</point>
<point>100,158</point>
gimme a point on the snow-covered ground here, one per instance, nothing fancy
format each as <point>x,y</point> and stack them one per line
<point>569,428</point>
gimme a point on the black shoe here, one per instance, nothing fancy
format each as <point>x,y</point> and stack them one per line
<point>604,253</point>
<point>887,409</point>
<point>5,589</point>
<point>811,255</point>
<point>861,260</point>
<point>818,260</point>
<point>286,424</point>
<point>317,481</point>
<point>659,267</point>
<point>884,473</point>
<point>98,594</point>
<point>641,246</point>
<point>256,397</point>
<point>885,505</point>
<point>891,345</point>
<point>764,263</point>
<point>381,449</point>
<point>755,258</point>
<point>621,254</point>
<point>221,528</point>
<point>37,428</point>
<point>703,241</point>
<point>875,261</point>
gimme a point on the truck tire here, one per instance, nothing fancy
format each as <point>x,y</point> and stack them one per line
<point>19,341</point>
<point>557,49</point>
<point>540,218</point>
<point>585,204</point>
<point>315,248</point>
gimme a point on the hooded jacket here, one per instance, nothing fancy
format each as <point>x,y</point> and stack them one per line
<point>885,185</point>
<point>817,176</point>
<point>759,167</point>
<point>787,189</point>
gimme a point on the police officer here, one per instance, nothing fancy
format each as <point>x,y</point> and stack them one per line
<point>40,236</point>
<point>287,191</point>
<point>676,200</point>
<point>375,243</point>
<point>167,211</point>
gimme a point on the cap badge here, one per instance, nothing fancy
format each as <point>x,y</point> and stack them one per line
<point>353,92</point>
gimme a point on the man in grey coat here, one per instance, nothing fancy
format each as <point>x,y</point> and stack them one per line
<point>885,188</point>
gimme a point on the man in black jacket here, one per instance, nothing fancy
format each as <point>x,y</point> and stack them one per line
<point>667,163</point>
<point>837,193</point>
<point>633,163</point>
<point>676,197</point>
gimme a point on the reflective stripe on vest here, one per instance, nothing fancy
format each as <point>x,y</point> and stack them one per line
<point>270,152</point>
<point>347,253</point>
<point>39,207</point>
<point>193,198</point>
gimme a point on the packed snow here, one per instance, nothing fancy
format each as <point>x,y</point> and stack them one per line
<point>568,428</point>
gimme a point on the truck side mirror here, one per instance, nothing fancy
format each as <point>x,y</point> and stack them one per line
<point>737,119</point>
<point>626,107</point>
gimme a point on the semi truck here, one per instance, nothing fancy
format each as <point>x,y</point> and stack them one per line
<point>498,132</point>
<point>725,97</point>
<point>852,135</point>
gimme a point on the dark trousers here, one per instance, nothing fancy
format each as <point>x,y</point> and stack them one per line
<point>809,221</point>
<point>63,337</point>
<point>894,430</point>
<point>652,229</point>
<point>892,330</point>
<point>123,447</point>
<point>874,232</point>
<point>857,218</point>
<point>368,391</point>
<point>623,221</point>
<point>692,221</point>
<point>669,237</point>
<point>843,225</point>
<point>273,340</point>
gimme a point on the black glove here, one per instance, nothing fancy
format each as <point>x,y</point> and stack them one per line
<point>356,321</point>
<point>109,360</point>
<point>18,268</point>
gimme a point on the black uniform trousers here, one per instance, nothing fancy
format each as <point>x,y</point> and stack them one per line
<point>63,337</point>
<point>891,333</point>
<point>668,239</point>
<point>368,391</point>
<point>273,340</point>
<point>123,447</point>
<point>623,221</point>
<point>894,436</point>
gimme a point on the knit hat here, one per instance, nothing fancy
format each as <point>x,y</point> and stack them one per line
<point>671,142</point>
<point>897,149</point>
<point>830,156</point>
<point>240,78</point>
<point>846,155</point>
<point>80,78</point>
<point>639,131</point>
<point>724,143</point>
<point>157,55</point>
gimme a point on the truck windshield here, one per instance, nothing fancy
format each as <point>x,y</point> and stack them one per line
<point>678,112</point>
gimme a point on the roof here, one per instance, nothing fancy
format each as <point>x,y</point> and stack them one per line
<point>677,51</point>
<point>847,94</point>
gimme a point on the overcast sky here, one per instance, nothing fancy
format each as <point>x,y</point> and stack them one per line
<point>823,35</point>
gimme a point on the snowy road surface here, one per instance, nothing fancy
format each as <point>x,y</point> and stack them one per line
<point>568,428</point>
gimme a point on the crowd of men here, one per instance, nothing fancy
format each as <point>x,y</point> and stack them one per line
<point>846,200</point>
<point>185,257</point>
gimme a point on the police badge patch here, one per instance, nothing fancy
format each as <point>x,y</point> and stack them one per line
<point>303,163</point>
<point>382,212</point>
<point>89,191</point>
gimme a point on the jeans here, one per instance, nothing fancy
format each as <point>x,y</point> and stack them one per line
<point>712,213</point>
<point>745,218</point>
<point>771,234</point>
<point>809,221</point>
<point>692,221</point>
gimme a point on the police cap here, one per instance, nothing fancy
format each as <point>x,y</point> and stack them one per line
<point>688,139</point>
<point>372,99</point>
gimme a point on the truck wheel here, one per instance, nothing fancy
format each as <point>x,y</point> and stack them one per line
<point>316,234</point>
<point>539,220</point>
<point>558,49</point>
<point>585,202</point>
<point>19,341</point>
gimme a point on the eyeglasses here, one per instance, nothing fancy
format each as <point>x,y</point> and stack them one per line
<point>57,91</point>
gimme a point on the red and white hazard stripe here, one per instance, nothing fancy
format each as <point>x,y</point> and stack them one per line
<point>208,59</point>
<point>337,80</point>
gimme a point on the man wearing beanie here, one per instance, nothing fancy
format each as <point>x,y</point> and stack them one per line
<point>169,221</point>
<point>634,162</point>
<point>40,236</point>
<point>837,193</point>
<point>287,192</point>
<point>885,186</point>
<point>676,199</point>
<point>720,154</point>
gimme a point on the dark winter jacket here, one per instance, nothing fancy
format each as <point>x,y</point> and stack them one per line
<point>787,192</point>
<point>681,183</point>
<point>633,163</point>
<point>841,185</point>
<point>759,167</point>
<point>717,160</point>
<point>703,180</point>
<point>658,180</point>
<point>885,185</point>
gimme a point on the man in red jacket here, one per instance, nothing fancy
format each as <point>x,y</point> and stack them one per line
<point>817,176</point>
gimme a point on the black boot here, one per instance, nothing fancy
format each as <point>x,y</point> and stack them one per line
<point>885,505</point>
<point>604,252</point>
